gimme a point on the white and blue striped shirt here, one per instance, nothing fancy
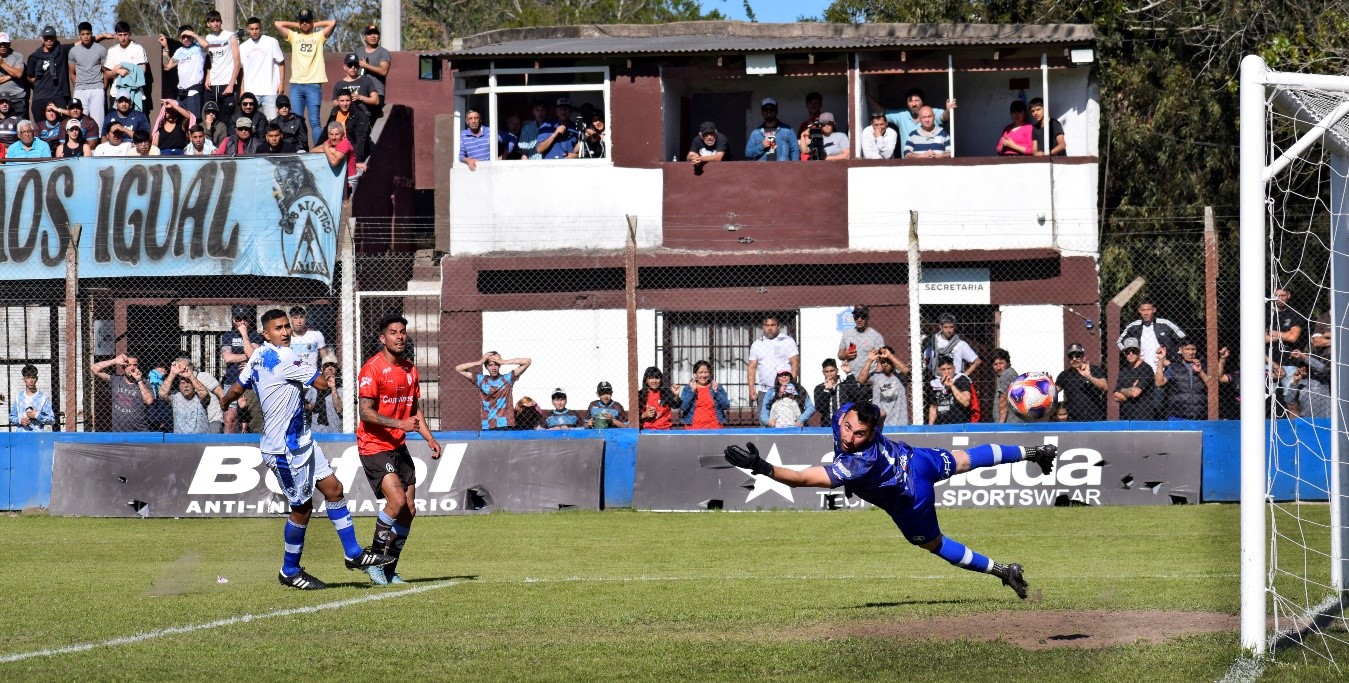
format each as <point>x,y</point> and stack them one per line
<point>280,377</point>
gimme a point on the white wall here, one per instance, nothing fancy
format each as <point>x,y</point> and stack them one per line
<point>548,205</point>
<point>818,337</point>
<point>993,206</point>
<point>1033,337</point>
<point>575,350</point>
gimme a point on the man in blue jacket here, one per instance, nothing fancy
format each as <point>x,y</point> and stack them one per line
<point>899,479</point>
<point>774,140</point>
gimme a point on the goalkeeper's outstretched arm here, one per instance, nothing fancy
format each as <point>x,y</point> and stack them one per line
<point>748,458</point>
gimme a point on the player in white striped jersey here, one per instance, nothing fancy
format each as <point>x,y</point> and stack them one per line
<point>280,378</point>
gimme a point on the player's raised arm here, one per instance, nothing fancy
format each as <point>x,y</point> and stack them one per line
<point>748,458</point>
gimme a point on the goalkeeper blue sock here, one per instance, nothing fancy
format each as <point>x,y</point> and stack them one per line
<point>957,554</point>
<point>988,455</point>
<point>346,529</point>
<point>290,562</point>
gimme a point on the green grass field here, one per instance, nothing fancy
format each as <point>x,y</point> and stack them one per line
<point>617,595</point>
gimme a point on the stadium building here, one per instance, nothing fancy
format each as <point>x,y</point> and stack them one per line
<point>534,250</point>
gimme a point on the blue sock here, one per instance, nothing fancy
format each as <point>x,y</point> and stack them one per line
<point>957,554</point>
<point>290,563</point>
<point>991,454</point>
<point>346,529</point>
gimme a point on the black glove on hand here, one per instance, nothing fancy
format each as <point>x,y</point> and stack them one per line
<point>748,459</point>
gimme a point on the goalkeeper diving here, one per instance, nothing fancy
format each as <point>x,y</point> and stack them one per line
<point>899,479</point>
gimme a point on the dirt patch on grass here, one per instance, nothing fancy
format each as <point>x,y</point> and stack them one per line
<point>1044,629</point>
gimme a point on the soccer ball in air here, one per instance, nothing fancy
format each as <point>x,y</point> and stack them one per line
<point>1032,395</point>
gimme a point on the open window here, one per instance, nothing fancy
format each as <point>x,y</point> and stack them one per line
<point>511,101</point>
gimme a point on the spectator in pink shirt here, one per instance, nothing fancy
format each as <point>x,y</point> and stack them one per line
<point>1016,137</point>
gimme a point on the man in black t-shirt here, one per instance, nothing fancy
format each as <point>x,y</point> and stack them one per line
<point>948,395</point>
<point>1285,335</point>
<point>1057,145</point>
<point>1135,389</point>
<point>1081,387</point>
<point>48,71</point>
<point>235,348</point>
<point>708,146</point>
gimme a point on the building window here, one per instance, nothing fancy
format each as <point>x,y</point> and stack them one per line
<point>510,101</point>
<point>721,338</point>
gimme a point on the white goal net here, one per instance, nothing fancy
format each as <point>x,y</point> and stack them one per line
<point>1293,362</point>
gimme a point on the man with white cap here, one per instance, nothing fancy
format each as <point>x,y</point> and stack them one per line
<point>557,138</point>
<point>1135,387</point>
<point>772,141</point>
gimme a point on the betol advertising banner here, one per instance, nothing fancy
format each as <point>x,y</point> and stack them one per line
<point>230,480</point>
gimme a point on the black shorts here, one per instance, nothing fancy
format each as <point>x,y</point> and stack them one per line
<point>379,465</point>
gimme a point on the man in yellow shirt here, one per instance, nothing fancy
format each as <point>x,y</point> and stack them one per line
<point>307,75</point>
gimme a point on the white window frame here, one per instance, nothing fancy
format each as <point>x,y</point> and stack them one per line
<point>491,90</point>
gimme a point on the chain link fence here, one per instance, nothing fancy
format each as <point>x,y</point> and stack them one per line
<point>568,313</point>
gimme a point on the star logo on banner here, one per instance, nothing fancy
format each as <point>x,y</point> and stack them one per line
<point>763,484</point>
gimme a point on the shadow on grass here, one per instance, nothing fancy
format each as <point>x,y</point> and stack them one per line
<point>906,603</point>
<point>425,579</point>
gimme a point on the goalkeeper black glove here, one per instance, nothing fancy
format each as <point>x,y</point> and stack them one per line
<point>748,459</point>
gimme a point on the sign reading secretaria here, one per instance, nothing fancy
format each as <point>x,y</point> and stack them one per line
<point>162,216</point>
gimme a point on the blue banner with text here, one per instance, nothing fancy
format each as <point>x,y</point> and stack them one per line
<point>171,216</point>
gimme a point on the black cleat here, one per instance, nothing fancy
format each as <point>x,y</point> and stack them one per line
<point>369,558</point>
<point>1012,578</point>
<point>1043,456</point>
<point>302,581</point>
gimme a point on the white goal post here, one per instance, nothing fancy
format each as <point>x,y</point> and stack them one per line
<point>1263,91</point>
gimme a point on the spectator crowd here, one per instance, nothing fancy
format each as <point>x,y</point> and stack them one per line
<point>1162,376</point>
<point>80,97</point>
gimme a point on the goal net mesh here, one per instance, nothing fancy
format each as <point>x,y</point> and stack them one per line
<point>1305,210</point>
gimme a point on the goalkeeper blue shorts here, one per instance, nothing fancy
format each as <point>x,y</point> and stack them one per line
<point>916,514</point>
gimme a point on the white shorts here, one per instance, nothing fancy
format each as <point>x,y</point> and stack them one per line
<point>297,472</point>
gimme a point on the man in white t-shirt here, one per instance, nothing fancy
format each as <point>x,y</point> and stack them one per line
<point>223,46</point>
<point>124,52</point>
<point>189,60</point>
<point>308,344</point>
<point>264,67</point>
<point>775,349</point>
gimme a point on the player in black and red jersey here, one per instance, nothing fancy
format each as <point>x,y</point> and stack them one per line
<point>390,407</point>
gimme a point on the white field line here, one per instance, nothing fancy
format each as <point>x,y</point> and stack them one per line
<point>246,618</point>
<point>219,623</point>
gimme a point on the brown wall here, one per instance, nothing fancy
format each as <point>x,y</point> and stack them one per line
<point>778,205</point>
<point>635,103</point>
<point>1070,281</point>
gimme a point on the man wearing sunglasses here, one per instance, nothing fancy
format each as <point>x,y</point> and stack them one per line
<point>1081,387</point>
<point>1135,389</point>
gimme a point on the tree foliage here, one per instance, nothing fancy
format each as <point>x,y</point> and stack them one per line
<point>1168,74</point>
<point>458,18</point>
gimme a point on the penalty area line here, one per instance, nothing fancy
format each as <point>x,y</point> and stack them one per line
<point>220,623</point>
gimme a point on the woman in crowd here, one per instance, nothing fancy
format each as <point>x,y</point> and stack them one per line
<point>655,400</point>
<point>703,402</point>
<point>171,128</point>
<point>527,415</point>
<point>1016,136</point>
<point>74,144</point>
<point>789,405</point>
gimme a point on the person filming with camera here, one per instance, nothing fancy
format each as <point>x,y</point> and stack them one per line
<point>826,142</point>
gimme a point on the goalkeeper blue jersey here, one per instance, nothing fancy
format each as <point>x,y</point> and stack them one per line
<point>878,474</point>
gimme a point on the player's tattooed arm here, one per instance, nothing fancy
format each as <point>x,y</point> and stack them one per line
<point>370,415</point>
